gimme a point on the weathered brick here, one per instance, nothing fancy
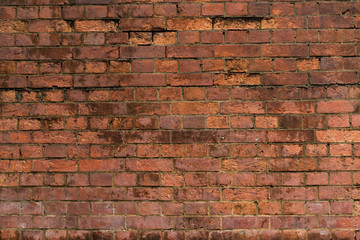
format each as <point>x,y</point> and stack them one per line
<point>236,23</point>
<point>13,26</point>
<point>188,51</point>
<point>189,24</point>
<point>95,53</point>
<point>332,50</point>
<point>193,79</point>
<point>246,222</point>
<point>235,79</point>
<point>284,50</point>
<point>237,51</point>
<point>195,108</point>
<point>142,24</point>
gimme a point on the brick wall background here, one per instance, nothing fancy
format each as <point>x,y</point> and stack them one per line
<point>179,119</point>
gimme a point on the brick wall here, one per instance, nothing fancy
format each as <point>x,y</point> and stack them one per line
<point>179,119</point>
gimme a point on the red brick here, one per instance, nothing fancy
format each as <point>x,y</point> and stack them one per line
<point>269,234</point>
<point>317,207</point>
<point>289,164</point>
<point>237,51</point>
<point>16,194</point>
<point>122,11</point>
<point>188,51</point>
<point>283,36</point>
<point>232,108</point>
<point>13,26</point>
<point>332,50</point>
<point>125,179</point>
<point>10,208</point>
<point>165,10</point>
<point>209,9</point>
<point>269,208</point>
<point>331,22</point>
<point>336,106</point>
<point>149,208</point>
<point>14,222</point>
<point>220,208</point>
<point>258,9</point>
<point>340,178</point>
<point>259,36</point>
<point>185,79</point>
<point>283,64</point>
<point>95,53</point>
<point>236,9</point>
<point>164,38</point>
<point>245,194</point>
<point>199,165</point>
<point>260,65</point>
<point>196,136</point>
<point>235,36</point>
<point>284,23</point>
<point>146,80</point>
<point>170,122</point>
<point>236,79</point>
<point>341,207</point>
<point>169,179</point>
<point>71,39</point>
<point>94,25</point>
<point>189,65</point>
<point>236,23</point>
<point>140,38</point>
<point>116,38</point>
<point>189,24</point>
<point>333,77</point>
<point>101,179</point>
<point>50,12</point>
<point>8,12</point>
<point>55,194</point>
<point>148,151</point>
<point>305,8</point>
<point>163,194</point>
<point>49,53</point>
<point>55,165</point>
<point>31,180</point>
<point>195,222</point>
<point>219,179</point>
<point>7,40</point>
<point>101,165</point>
<point>142,51</point>
<point>284,51</point>
<point>149,164</point>
<point>245,222</point>
<point>12,54</point>
<point>195,108</point>
<point>142,24</point>
<point>95,11</point>
<point>189,9</point>
<point>293,208</point>
<point>283,9</point>
<point>14,137</point>
<point>108,222</point>
<point>102,194</point>
<point>316,178</point>
<point>292,179</point>
<point>55,151</point>
<point>77,179</point>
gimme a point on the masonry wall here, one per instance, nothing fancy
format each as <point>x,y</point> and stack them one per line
<point>179,119</point>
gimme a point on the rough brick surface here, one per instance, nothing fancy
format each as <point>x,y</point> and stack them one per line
<point>179,119</point>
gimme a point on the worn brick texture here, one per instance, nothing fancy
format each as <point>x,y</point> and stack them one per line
<point>179,119</point>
